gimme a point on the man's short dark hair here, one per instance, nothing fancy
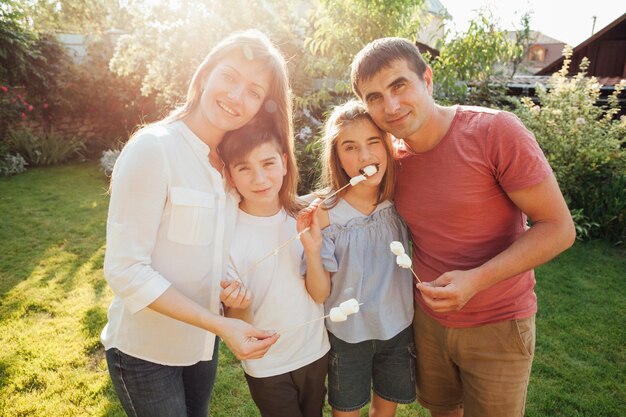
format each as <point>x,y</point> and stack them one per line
<point>380,54</point>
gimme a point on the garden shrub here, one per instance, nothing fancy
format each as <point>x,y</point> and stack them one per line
<point>584,144</point>
<point>11,165</point>
<point>107,160</point>
<point>46,149</point>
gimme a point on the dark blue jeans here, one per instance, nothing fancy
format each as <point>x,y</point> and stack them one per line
<point>147,389</point>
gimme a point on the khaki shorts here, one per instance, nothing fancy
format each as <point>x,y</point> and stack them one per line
<point>484,369</point>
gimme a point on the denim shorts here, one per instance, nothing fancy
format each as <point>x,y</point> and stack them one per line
<point>387,366</point>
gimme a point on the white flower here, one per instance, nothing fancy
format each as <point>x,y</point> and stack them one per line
<point>580,121</point>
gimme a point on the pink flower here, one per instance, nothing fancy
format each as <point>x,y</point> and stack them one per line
<point>45,105</point>
<point>30,107</point>
<point>23,115</point>
<point>4,89</point>
<point>19,96</point>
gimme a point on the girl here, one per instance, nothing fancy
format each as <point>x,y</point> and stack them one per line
<point>374,347</point>
<point>168,231</point>
<point>289,379</point>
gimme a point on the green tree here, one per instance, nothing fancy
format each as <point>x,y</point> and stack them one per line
<point>469,63</point>
<point>337,31</point>
<point>168,39</point>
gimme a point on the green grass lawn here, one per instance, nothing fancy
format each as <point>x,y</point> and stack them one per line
<point>53,301</point>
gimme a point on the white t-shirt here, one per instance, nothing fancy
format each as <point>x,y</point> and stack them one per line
<point>170,223</point>
<point>280,299</point>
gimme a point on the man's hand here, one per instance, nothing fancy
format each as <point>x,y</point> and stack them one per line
<point>235,295</point>
<point>450,292</point>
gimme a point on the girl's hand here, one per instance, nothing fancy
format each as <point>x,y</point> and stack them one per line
<point>307,217</point>
<point>235,295</point>
<point>245,341</point>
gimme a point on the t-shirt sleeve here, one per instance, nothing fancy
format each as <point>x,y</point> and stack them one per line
<point>329,261</point>
<point>514,154</point>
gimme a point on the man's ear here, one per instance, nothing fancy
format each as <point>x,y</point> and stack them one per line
<point>428,79</point>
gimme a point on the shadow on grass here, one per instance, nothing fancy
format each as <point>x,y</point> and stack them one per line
<point>53,224</point>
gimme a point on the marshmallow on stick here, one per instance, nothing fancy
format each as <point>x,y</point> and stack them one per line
<point>402,258</point>
<point>367,171</point>
<point>337,314</point>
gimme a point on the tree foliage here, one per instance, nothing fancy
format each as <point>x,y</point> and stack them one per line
<point>470,63</point>
<point>338,30</point>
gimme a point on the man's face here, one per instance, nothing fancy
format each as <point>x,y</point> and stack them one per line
<point>398,100</point>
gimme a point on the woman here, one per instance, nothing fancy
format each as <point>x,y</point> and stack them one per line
<point>169,230</point>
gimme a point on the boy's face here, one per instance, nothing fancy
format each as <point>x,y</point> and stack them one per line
<point>398,100</point>
<point>259,178</point>
<point>360,144</point>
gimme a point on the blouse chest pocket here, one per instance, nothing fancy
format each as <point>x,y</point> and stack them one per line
<point>192,219</point>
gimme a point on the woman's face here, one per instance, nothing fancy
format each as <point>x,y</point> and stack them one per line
<point>234,91</point>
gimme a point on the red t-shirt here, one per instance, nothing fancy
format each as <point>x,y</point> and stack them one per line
<point>453,199</point>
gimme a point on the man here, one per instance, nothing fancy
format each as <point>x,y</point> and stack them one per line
<point>467,178</point>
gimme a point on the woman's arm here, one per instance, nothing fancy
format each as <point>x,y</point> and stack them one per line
<point>242,339</point>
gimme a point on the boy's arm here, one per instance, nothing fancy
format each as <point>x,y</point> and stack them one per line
<point>317,280</point>
<point>237,299</point>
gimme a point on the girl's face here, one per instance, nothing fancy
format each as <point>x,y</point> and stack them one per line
<point>259,178</point>
<point>359,144</point>
<point>234,91</point>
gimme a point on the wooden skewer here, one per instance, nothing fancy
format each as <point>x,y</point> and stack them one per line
<point>306,322</point>
<point>275,251</point>
<point>415,275</point>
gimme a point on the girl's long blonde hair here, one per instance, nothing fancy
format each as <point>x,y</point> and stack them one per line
<point>334,176</point>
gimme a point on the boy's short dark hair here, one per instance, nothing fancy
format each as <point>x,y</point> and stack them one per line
<point>379,54</point>
<point>237,144</point>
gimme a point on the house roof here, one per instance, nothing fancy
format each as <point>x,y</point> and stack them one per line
<point>537,37</point>
<point>435,7</point>
<point>556,65</point>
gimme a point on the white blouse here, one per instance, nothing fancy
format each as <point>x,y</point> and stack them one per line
<point>170,223</point>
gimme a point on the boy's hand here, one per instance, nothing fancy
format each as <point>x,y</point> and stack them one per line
<point>235,295</point>
<point>307,218</point>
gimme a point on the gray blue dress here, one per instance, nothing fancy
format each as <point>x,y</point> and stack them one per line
<point>356,251</point>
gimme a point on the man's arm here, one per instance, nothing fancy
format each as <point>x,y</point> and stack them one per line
<point>551,233</point>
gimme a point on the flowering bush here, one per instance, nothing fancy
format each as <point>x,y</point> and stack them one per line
<point>107,160</point>
<point>12,165</point>
<point>584,144</point>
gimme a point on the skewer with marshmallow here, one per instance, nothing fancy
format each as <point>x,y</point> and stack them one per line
<point>402,258</point>
<point>368,171</point>
<point>337,314</point>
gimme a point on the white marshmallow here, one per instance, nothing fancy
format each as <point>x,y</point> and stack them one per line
<point>336,314</point>
<point>404,261</point>
<point>357,179</point>
<point>370,170</point>
<point>350,306</point>
<point>397,248</point>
